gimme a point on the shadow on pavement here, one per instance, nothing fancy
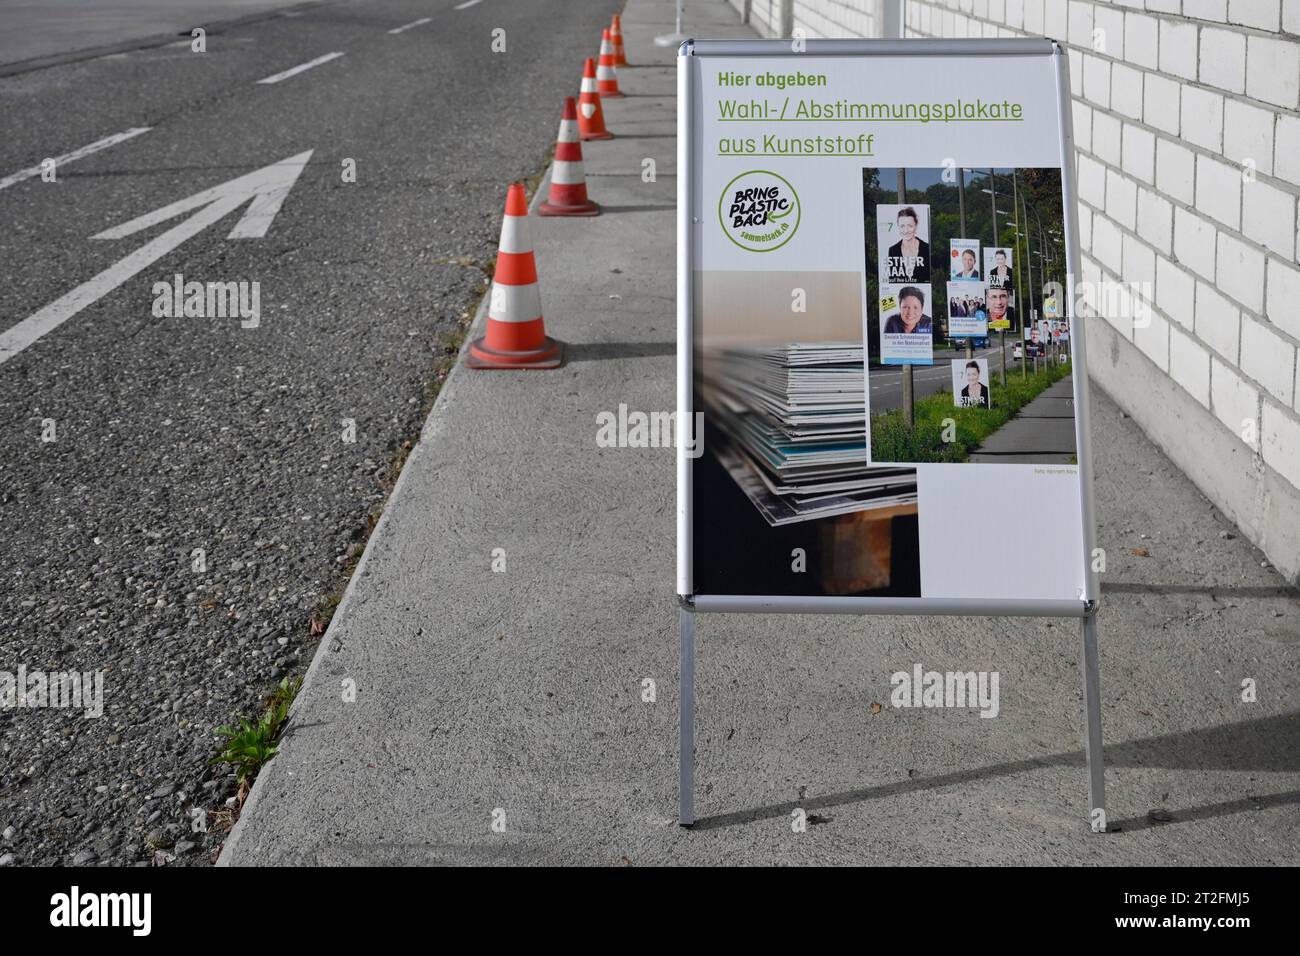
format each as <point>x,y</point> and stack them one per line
<point>1270,744</point>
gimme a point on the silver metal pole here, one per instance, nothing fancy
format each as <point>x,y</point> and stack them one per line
<point>686,717</point>
<point>1092,721</point>
<point>892,18</point>
<point>676,38</point>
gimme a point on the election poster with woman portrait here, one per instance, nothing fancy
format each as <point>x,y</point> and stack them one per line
<point>970,383</point>
<point>903,238</point>
<point>906,325</point>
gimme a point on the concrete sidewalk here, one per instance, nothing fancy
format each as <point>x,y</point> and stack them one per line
<point>519,697</point>
<point>1042,431</point>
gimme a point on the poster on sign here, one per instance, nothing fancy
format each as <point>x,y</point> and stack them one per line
<point>842,468</point>
<point>968,313</point>
<point>903,238</point>
<point>805,411</point>
<point>906,325</point>
<point>999,268</point>
<point>964,260</point>
<point>970,383</point>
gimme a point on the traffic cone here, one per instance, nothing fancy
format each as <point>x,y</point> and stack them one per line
<point>568,195</point>
<point>606,75</point>
<point>516,336</point>
<point>591,118</point>
<point>616,35</point>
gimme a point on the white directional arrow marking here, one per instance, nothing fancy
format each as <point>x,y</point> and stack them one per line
<point>266,187</point>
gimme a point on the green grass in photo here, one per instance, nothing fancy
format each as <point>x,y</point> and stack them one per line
<point>892,441</point>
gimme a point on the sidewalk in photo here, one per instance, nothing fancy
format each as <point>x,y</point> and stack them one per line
<point>530,715</point>
<point>1042,431</point>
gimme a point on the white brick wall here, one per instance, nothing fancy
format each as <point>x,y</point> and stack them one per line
<point>1218,190</point>
<point>1189,364</point>
<point>1202,117</point>
<point>1187,126</point>
<point>1273,71</point>
<point>1283,294</point>
<point>1267,358</point>
<point>1248,135</point>
<point>1218,322</point>
<point>1223,59</point>
<point>1234,401</point>
<point>1177,48</point>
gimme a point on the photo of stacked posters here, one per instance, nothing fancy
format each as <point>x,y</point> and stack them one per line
<point>998,268</point>
<point>906,327</point>
<point>967,311</point>
<point>793,431</point>
<point>964,260</point>
<point>970,383</point>
<point>781,382</point>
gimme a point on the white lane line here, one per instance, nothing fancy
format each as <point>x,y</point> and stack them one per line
<point>75,154</point>
<point>467,4</point>
<point>300,68</point>
<point>414,23</point>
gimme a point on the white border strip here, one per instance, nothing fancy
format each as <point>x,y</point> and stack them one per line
<point>276,78</point>
<point>410,26</point>
<point>76,154</point>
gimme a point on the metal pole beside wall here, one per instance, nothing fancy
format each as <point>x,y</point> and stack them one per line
<point>676,38</point>
<point>892,18</point>
<point>686,717</point>
<point>1091,666</point>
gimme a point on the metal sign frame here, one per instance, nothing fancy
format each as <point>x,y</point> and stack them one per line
<point>690,603</point>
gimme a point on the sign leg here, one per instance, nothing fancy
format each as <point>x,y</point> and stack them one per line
<point>1092,726</point>
<point>686,717</point>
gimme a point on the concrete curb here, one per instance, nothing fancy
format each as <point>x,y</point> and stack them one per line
<point>428,435</point>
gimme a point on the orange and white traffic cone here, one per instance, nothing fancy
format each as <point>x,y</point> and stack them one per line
<point>568,196</point>
<point>516,336</point>
<point>591,118</point>
<point>616,36</point>
<point>606,75</point>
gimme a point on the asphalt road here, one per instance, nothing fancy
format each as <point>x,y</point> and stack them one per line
<point>176,434</point>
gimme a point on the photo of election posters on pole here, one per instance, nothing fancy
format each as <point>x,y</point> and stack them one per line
<point>821,357</point>
<point>964,260</point>
<point>970,383</point>
<point>919,323</point>
<point>967,310</point>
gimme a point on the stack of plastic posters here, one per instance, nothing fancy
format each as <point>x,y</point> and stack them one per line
<point>788,423</point>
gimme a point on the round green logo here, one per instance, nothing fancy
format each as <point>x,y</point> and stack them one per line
<point>759,211</point>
